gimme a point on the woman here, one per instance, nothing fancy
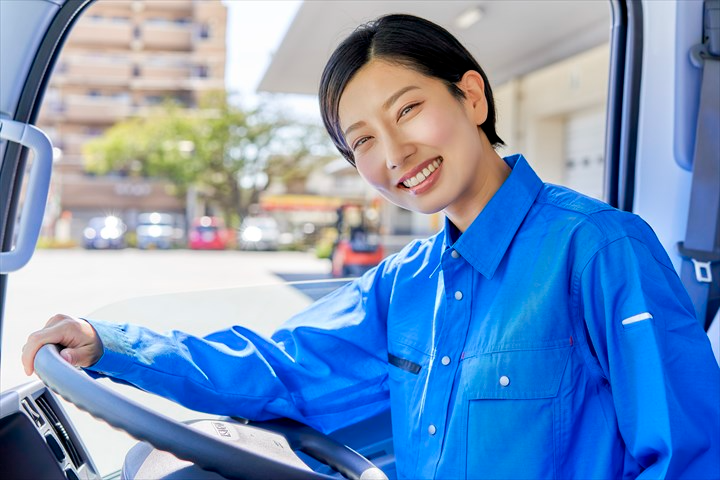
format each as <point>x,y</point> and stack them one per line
<point>540,334</point>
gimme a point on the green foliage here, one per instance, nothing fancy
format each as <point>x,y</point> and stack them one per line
<point>51,243</point>
<point>323,249</point>
<point>306,147</point>
<point>214,148</point>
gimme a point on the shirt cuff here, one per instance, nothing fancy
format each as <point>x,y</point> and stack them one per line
<point>117,352</point>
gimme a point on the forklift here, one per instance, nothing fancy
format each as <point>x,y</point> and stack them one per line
<point>358,247</point>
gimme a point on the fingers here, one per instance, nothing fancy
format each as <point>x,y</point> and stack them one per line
<point>67,354</point>
<point>35,341</point>
<point>83,347</point>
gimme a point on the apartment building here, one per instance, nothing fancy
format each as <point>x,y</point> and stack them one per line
<point>123,57</point>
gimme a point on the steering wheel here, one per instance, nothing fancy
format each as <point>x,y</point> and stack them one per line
<point>232,449</point>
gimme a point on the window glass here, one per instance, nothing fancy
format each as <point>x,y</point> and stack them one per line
<point>150,117</point>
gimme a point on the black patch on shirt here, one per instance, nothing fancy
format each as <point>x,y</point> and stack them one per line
<point>403,364</point>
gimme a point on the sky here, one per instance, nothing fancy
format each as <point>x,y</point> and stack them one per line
<point>255,30</point>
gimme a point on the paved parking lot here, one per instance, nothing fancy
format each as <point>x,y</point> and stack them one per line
<point>245,285</point>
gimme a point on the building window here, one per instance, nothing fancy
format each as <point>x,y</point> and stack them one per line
<point>204,31</point>
<point>136,71</point>
<point>153,99</point>
<point>202,71</point>
<point>137,33</point>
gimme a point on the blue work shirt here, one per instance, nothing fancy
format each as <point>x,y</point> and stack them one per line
<point>552,339</point>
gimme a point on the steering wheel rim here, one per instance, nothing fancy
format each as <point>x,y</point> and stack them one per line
<point>212,453</point>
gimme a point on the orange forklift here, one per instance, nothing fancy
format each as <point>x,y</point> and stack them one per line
<point>358,247</point>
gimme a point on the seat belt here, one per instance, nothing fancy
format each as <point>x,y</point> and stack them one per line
<point>700,270</point>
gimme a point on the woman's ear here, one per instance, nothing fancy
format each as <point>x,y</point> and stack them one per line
<point>473,86</point>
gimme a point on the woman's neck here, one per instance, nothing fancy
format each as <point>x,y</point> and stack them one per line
<point>491,176</point>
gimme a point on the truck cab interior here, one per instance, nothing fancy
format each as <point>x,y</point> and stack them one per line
<point>661,161</point>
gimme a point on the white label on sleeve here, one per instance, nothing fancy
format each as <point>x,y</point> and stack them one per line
<point>637,318</point>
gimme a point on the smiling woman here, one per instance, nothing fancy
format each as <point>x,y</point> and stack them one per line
<point>426,121</point>
<point>539,280</point>
<point>534,312</point>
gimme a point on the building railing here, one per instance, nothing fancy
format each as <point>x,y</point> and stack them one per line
<point>101,32</point>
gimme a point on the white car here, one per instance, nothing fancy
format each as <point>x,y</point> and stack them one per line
<point>259,233</point>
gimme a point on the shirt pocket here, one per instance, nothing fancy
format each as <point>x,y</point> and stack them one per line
<point>513,412</point>
<point>407,371</point>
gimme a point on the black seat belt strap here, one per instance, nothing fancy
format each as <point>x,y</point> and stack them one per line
<point>700,271</point>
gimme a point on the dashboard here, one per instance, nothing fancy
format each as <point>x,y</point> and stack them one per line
<point>38,441</point>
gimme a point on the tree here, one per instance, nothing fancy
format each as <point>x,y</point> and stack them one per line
<point>304,149</point>
<point>214,148</point>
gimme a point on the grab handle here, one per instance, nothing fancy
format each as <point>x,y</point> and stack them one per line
<point>28,229</point>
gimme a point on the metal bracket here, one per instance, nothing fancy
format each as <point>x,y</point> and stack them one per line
<point>703,271</point>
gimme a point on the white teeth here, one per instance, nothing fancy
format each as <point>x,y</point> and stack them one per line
<point>421,176</point>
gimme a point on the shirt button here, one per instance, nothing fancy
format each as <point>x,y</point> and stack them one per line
<point>432,429</point>
<point>445,360</point>
<point>454,254</point>
<point>458,295</point>
<point>504,381</point>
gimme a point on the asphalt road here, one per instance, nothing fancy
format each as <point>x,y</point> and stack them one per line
<point>197,292</point>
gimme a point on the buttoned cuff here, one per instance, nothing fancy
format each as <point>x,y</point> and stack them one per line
<point>117,352</point>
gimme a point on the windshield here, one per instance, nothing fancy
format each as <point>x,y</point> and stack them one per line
<point>158,109</point>
<point>198,293</point>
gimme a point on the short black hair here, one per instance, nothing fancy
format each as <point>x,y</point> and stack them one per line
<point>404,40</point>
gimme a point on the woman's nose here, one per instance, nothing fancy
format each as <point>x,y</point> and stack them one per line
<point>397,151</point>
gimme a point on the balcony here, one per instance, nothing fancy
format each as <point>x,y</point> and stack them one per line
<point>166,77</point>
<point>73,143</point>
<point>167,36</point>
<point>96,109</point>
<point>211,10</point>
<point>96,71</point>
<point>109,9</point>
<point>102,32</point>
<point>201,83</point>
<point>165,6</point>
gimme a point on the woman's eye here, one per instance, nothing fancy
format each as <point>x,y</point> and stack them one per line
<point>407,110</point>
<point>360,142</point>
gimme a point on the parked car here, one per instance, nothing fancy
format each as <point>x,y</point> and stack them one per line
<point>104,233</point>
<point>157,230</point>
<point>208,233</point>
<point>259,233</point>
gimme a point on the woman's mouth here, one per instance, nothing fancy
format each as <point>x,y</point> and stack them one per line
<point>422,175</point>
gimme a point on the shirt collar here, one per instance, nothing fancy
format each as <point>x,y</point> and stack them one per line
<point>488,237</point>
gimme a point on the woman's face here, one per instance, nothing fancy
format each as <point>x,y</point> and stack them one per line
<point>416,143</point>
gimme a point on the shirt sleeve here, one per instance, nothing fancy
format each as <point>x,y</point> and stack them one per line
<point>656,359</point>
<point>326,366</point>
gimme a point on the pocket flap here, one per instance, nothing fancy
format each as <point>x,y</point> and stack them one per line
<point>515,374</point>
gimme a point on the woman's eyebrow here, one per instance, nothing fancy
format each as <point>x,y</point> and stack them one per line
<point>386,105</point>
<point>393,98</point>
<point>353,127</point>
